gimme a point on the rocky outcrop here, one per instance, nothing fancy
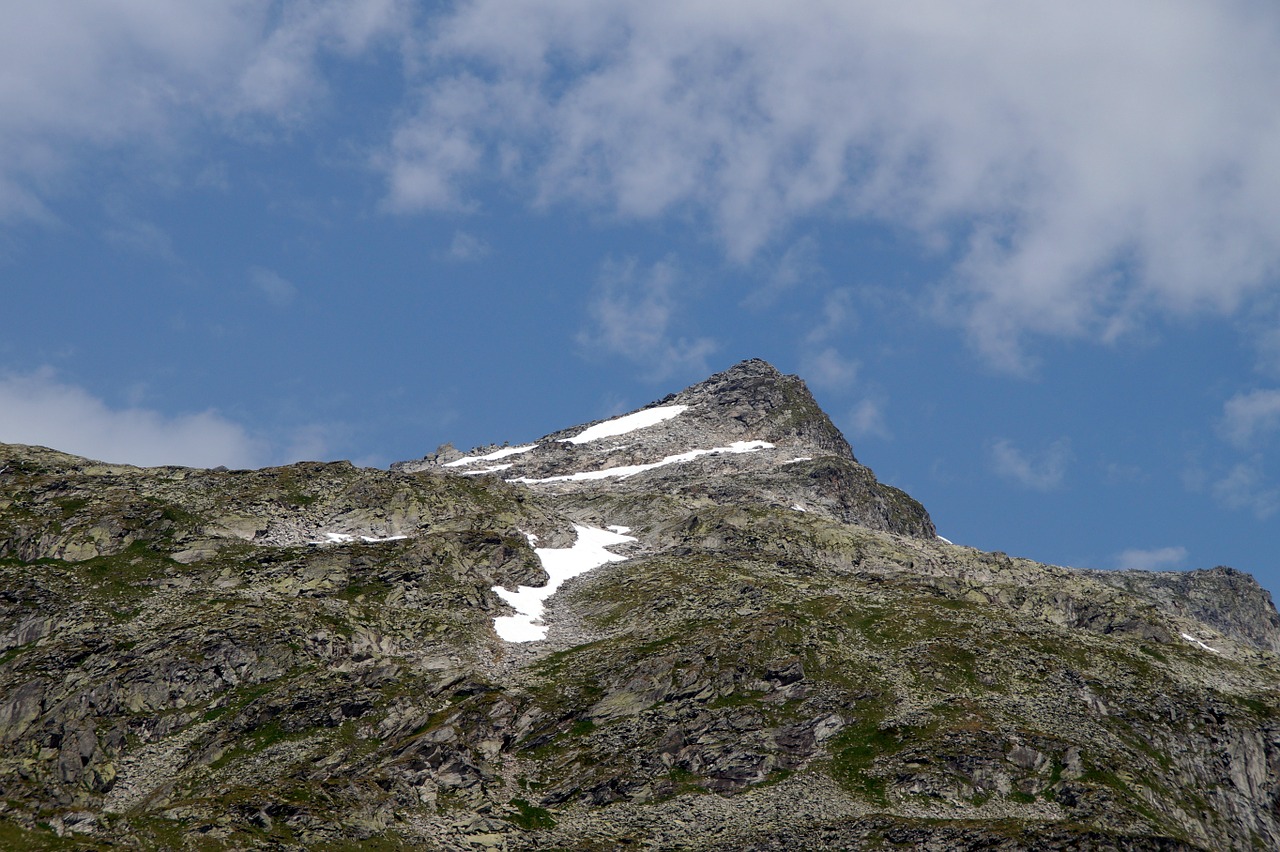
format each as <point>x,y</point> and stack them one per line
<point>1229,600</point>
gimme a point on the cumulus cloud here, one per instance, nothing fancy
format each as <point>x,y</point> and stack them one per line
<point>1044,472</point>
<point>632,314</point>
<point>39,409</point>
<point>273,287</point>
<point>90,74</point>
<point>799,264</point>
<point>467,247</point>
<point>1247,416</point>
<point>827,368</point>
<point>1081,165</point>
<point>1156,559</point>
<point>1244,487</point>
<point>867,420</point>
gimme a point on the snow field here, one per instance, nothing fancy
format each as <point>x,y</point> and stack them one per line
<point>561,563</point>
<point>626,423</point>
<point>1196,641</point>
<point>347,538</point>
<point>494,469</point>
<point>494,456</point>
<point>624,471</point>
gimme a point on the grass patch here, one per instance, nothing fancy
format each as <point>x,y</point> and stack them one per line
<point>855,749</point>
<point>529,817</point>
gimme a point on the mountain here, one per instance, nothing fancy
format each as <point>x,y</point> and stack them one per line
<point>752,644</point>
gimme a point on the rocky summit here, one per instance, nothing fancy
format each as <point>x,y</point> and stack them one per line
<point>703,625</point>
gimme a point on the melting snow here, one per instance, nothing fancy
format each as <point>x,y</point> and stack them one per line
<point>347,538</point>
<point>798,507</point>
<point>494,456</point>
<point>798,459</point>
<point>626,423</point>
<point>1196,641</point>
<point>560,563</point>
<point>632,469</point>
<point>944,540</point>
<point>494,469</point>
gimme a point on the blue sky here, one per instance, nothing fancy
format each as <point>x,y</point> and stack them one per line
<point>1026,254</point>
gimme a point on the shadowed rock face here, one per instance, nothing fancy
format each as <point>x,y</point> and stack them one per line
<point>1225,598</point>
<point>786,658</point>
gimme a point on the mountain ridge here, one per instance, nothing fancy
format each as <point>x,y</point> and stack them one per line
<point>776,653</point>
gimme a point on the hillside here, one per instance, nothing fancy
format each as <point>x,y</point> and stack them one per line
<point>774,652</point>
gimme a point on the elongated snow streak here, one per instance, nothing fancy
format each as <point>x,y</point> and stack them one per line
<point>347,538</point>
<point>944,540</point>
<point>797,459</point>
<point>493,456</point>
<point>494,469</point>
<point>561,563</point>
<point>626,423</point>
<point>1196,641</point>
<point>626,470</point>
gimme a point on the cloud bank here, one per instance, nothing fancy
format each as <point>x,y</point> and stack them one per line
<point>1079,168</point>
<point>1156,559</point>
<point>87,75</point>
<point>1083,166</point>
<point>39,409</point>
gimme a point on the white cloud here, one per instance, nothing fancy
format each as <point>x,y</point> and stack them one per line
<point>1084,164</point>
<point>1156,559</point>
<point>867,420</point>
<point>827,368</point>
<point>1247,416</point>
<point>1043,473</point>
<point>467,247</point>
<point>145,238</point>
<point>90,74</point>
<point>38,409</point>
<point>631,315</point>
<point>1245,488</point>
<point>277,290</point>
<point>800,264</point>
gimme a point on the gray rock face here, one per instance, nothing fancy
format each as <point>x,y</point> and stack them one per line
<point>1229,600</point>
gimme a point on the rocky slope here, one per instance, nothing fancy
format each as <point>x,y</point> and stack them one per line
<point>784,656</point>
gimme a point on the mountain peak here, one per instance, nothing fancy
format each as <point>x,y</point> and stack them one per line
<point>775,406</point>
<point>749,434</point>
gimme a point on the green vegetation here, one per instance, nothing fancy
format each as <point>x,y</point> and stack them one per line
<point>529,817</point>
<point>855,749</point>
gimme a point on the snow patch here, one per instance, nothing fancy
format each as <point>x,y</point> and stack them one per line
<point>624,471</point>
<point>347,538</point>
<point>494,456</point>
<point>798,507</point>
<point>797,459</point>
<point>626,423</point>
<point>494,469</point>
<point>1196,641</point>
<point>944,540</point>
<point>561,563</point>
